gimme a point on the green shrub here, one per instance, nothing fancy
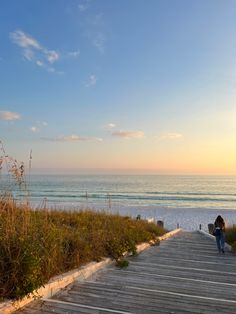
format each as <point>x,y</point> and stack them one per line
<point>121,263</point>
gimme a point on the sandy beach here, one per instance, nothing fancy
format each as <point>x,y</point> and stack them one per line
<point>187,218</point>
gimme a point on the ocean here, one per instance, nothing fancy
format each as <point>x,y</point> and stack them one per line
<point>185,200</point>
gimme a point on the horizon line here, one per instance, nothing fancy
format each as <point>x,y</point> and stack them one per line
<point>127,171</point>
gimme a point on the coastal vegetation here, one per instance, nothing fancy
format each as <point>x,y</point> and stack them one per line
<point>36,245</point>
<point>230,237</point>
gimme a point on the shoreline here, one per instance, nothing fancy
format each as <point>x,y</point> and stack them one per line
<point>188,218</point>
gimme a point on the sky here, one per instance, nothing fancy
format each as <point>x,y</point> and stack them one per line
<point>128,86</point>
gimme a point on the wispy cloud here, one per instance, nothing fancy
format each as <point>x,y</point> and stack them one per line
<point>24,40</point>
<point>48,68</point>
<point>28,54</point>
<point>99,41</point>
<point>84,5</point>
<point>96,31</point>
<point>39,126</point>
<point>33,51</point>
<point>9,116</point>
<point>34,129</point>
<point>74,54</point>
<point>51,56</point>
<point>97,35</point>
<point>129,134</point>
<point>97,20</point>
<point>170,136</point>
<point>92,81</point>
<point>111,125</point>
<point>71,138</point>
<point>39,63</point>
<point>53,70</point>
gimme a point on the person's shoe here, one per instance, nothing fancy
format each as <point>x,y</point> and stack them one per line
<point>223,251</point>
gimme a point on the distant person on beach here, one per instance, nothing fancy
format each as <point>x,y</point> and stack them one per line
<point>219,230</point>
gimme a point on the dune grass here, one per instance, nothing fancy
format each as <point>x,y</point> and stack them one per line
<point>230,237</point>
<point>35,245</point>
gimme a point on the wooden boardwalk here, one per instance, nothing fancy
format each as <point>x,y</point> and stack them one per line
<point>185,274</point>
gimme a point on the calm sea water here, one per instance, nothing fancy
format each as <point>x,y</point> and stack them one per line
<point>187,200</point>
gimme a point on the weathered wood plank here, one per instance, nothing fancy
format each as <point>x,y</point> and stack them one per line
<point>184,274</point>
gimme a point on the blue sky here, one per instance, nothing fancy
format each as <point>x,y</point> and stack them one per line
<point>131,84</point>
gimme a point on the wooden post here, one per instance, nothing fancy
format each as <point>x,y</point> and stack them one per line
<point>160,223</point>
<point>211,228</point>
<point>109,200</point>
<point>200,227</point>
<point>44,205</point>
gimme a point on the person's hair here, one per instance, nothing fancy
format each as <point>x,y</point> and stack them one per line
<point>220,220</point>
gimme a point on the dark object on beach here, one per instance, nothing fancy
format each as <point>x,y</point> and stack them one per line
<point>160,223</point>
<point>138,217</point>
<point>211,228</point>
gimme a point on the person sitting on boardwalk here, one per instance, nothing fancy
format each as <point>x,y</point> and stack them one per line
<point>219,233</point>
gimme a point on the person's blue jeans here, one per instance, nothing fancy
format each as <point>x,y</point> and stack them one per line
<point>220,241</point>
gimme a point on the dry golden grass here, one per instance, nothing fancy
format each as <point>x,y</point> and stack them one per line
<point>230,237</point>
<point>38,244</point>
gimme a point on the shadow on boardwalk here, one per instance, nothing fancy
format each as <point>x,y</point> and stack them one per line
<point>185,274</point>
